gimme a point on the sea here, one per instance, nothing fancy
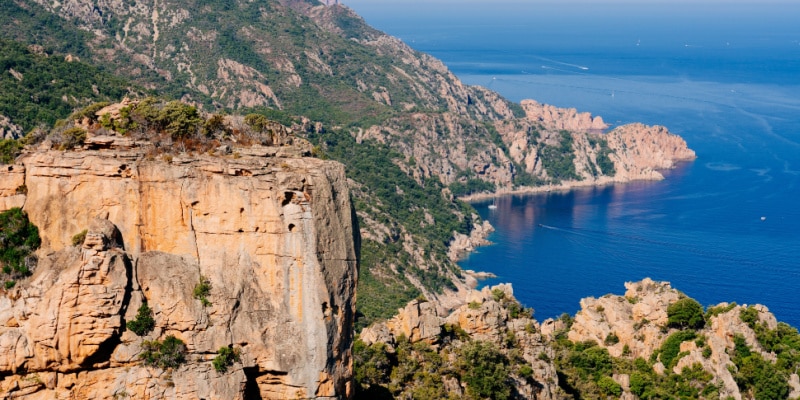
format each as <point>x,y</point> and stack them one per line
<point>723,75</point>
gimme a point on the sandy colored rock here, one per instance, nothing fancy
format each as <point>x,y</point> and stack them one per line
<point>562,118</point>
<point>275,237</point>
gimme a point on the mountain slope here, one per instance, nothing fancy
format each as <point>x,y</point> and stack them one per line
<point>411,135</point>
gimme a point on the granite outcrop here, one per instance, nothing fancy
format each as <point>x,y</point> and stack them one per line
<point>270,233</point>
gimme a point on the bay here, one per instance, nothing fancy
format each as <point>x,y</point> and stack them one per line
<point>726,77</point>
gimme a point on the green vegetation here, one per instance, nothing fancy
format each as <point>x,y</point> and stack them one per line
<point>19,238</point>
<point>603,158</point>
<point>685,313</point>
<point>9,150</point>
<point>761,377</point>
<point>472,185</point>
<point>79,237</point>
<point>33,24</point>
<point>671,347</point>
<point>226,356</point>
<point>143,323</point>
<point>166,354</point>
<point>418,371</point>
<point>202,290</point>
<point>485,371</point>
<point>714,311</point>
<point>559,162</point>
<point>42,89</point>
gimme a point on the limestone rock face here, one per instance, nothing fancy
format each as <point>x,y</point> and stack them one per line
<point>274,238</point>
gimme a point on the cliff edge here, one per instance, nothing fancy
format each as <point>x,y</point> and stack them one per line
<point>254,251</point>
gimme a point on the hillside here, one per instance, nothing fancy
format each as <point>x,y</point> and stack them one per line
<point>653,342</point>
<point>411,135</point>
<point>261,233</point>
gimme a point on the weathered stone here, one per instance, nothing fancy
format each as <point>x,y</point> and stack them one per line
<point>274,237</point>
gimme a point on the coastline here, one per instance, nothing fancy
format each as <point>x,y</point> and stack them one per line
<point>562,187</point>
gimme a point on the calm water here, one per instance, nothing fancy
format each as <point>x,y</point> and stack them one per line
<point>726,78</point>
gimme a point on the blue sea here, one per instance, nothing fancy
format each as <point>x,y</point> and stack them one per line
<point>726,77</point>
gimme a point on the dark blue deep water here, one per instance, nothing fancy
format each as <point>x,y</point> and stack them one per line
<point>725,77</point>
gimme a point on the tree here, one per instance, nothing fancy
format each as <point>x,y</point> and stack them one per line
<point>485,371</point>
<point>685,313</point>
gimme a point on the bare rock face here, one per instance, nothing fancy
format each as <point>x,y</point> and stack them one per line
<point>562,118</point>
<point>9,130</point>
<point>635,318</point>
<point>641,150</point>
<point>273,237</point>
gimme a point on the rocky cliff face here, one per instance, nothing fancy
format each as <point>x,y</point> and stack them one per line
<point>638,322</point>
<point>490,316</point>
<point>271,232</point>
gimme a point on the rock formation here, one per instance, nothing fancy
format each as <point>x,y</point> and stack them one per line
<point>271,232</point>
<point>487,316</point>
<point>9,130</point>
<point>638,320</point>
<point>562,118</point>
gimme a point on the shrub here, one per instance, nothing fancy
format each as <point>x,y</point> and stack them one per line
<point>609,387</point>
<point>226,356</point>
<point>685,313</point>
<point>485,371</point>
<point>202,290</point>
<point>714,311</point>
<point>9,150</point>
<point>670,349</point>
<point>72,138</point>
<point>498,294</point>
<point>79,237</point>
<point>144,322</point>
<point>474,305</point>
<point>18,239</point>
<point>611,339</point>
<point>180,120</point>
<point>170,353</point>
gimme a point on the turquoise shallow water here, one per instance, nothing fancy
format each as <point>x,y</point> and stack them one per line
<point>729,85</point>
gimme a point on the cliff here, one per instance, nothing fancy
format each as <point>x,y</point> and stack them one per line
<point>510,340</point>
<point>743,350</point>
<point>270,234</point>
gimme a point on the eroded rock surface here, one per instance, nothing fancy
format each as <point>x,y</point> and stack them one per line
<point>485,316</point>
<point>639,321</point>
<point>273,236</point>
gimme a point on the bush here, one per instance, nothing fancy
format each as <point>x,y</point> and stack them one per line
<point>72,137</point>
<point>79,237</point>
<point>609,387</point>
<point>170,353</point>
<point>685,313</point>
<point>18,239</point>
<point>202,290</point>
<point>226,356</point>
<point>9,150</point>
<point>144,322</point>
<point>485,371</point>
<point>672,346</point>
<point>611,339</point>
